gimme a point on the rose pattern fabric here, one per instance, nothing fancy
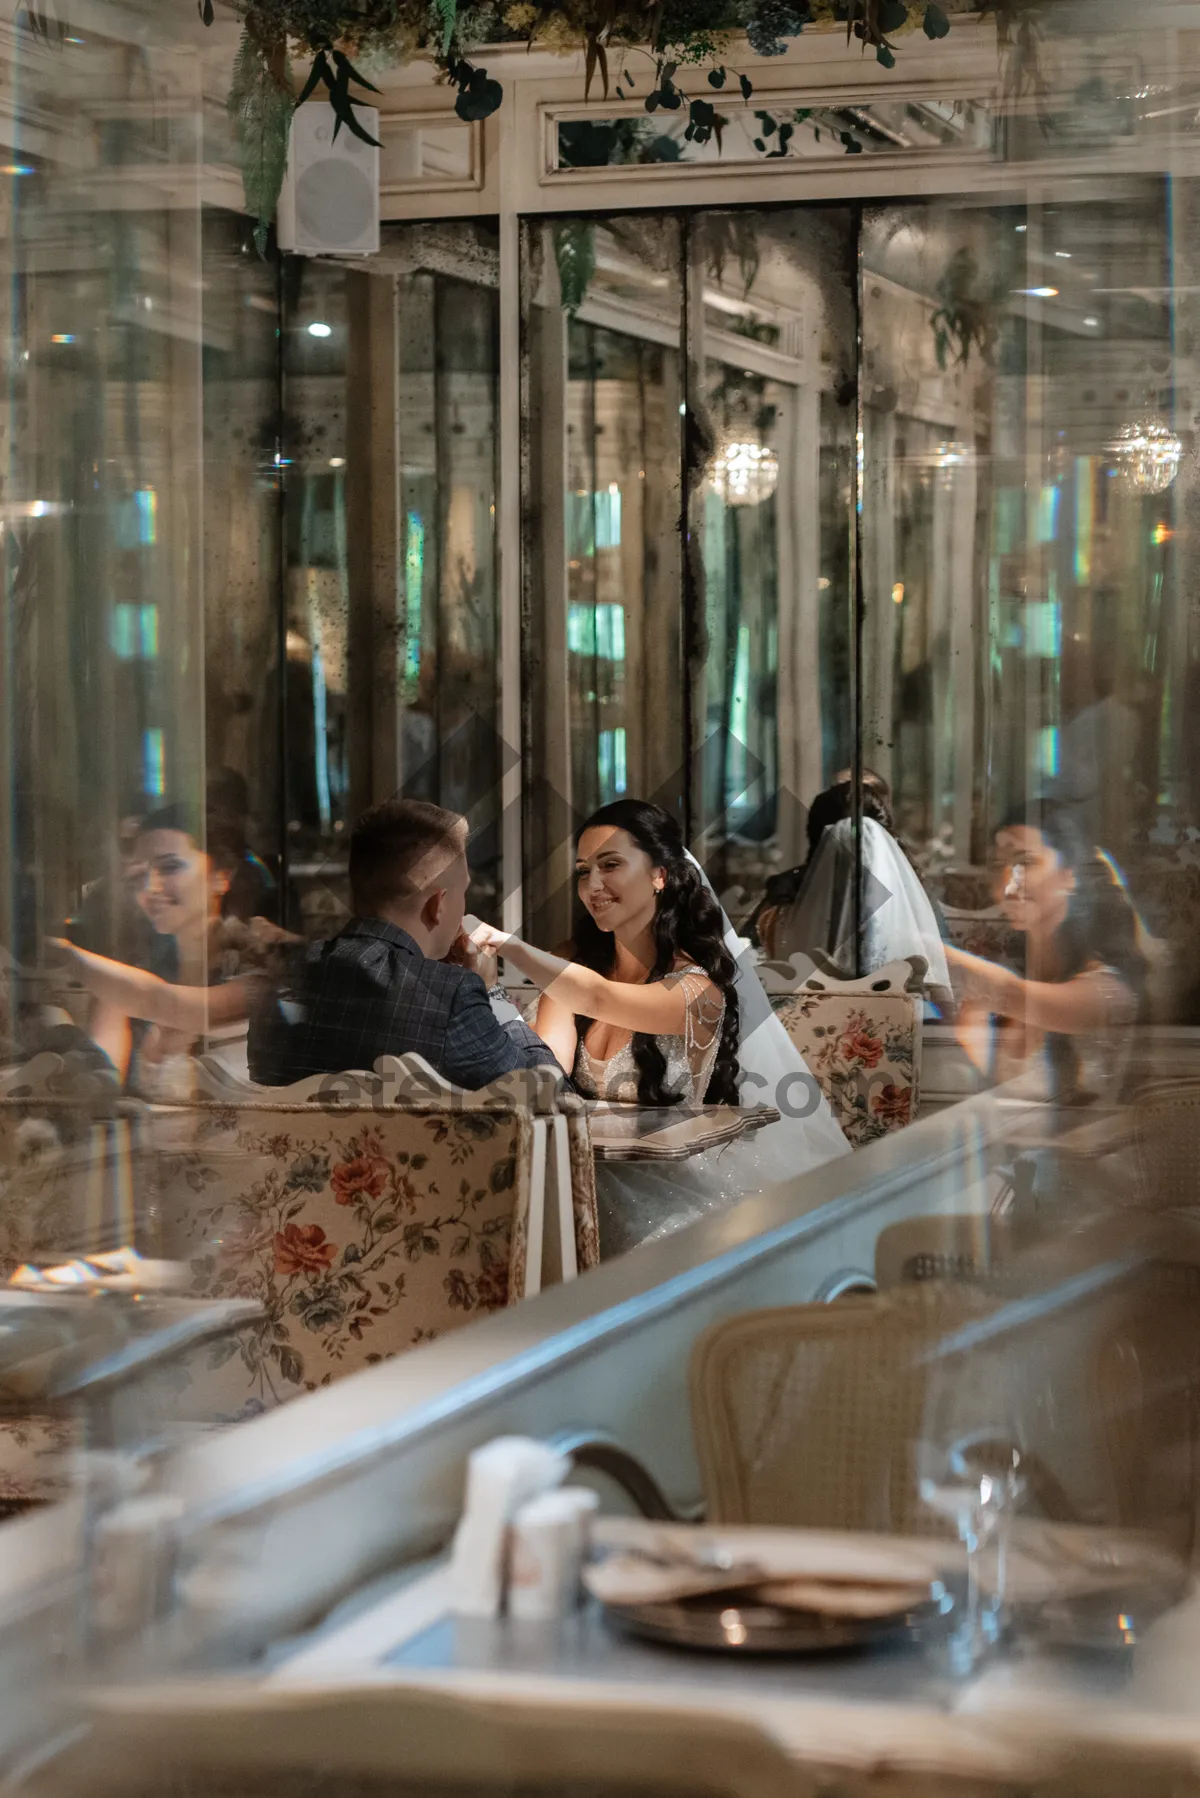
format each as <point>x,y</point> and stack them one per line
<point>48,1158</point>
<point>360,1239</point>
<point>863,1053</point>
<point>35,1452</point>
<point>302,1249</point>
<point>48,1154</point>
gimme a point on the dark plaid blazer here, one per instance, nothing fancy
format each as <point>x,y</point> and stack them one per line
<point>370,991</point>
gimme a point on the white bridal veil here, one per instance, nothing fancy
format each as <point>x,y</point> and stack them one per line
<point>775,1073</point>
<point>898,919</point>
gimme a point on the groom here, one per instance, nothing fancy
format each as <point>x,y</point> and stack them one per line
<point>385,985</point>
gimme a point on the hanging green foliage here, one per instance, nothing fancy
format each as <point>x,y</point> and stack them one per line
<point>262,103</point>
<point>575,254</point>
<point>968,315</point>
<point>629,46</point>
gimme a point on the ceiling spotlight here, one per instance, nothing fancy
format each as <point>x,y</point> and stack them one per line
<point>320,330</point>
<point>1039,293</point>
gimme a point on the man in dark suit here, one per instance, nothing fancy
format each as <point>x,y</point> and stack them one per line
<point>383,985</point>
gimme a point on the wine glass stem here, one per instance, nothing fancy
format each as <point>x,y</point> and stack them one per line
<point>972,1645</point>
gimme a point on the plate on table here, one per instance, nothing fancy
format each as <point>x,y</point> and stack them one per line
<point>741,1623</point>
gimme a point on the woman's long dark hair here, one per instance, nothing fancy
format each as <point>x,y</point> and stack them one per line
<point>688,922</point>
<point>1101,924</point>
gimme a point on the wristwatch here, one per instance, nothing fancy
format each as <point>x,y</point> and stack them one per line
<point>503,1006</point>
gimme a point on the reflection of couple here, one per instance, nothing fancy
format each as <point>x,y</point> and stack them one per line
<point>652,1006</point>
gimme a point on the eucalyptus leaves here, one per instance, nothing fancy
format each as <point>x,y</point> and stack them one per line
<point>631,48</point>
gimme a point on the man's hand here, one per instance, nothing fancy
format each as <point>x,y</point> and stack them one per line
<point>464,954</point>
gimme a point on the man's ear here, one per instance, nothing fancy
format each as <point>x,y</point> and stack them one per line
<point>433,908</point>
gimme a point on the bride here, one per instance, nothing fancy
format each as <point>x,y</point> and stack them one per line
<point>659,1005</point>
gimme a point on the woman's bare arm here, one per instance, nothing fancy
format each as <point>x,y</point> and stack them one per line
<point>556,1027</point>
<point>109,1030</point>
<point>134,993</point>
<point>1093,1000</point>
<point>659,1009</point>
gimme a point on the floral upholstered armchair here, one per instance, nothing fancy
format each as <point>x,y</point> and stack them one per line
<point>65,1190</point>
<point>364,1230</point>
<point>860,1038</point>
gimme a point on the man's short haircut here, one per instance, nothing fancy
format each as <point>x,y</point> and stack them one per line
<point>390,844</point>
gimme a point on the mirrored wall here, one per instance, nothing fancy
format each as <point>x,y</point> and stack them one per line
<point>933,468</point>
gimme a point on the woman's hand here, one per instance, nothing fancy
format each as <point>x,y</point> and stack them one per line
<point>979,979</point>
<point>62,955</point>
<point>487,939</point>
<point>264,932</point>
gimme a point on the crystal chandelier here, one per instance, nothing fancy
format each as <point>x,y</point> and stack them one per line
<point>744,473</point>
<point>1146,455</point>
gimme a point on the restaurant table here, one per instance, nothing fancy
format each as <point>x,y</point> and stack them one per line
<point>669,1132</point>
<point>896,1707</point>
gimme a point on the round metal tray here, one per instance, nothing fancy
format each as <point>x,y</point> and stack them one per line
<point>728,1624</point>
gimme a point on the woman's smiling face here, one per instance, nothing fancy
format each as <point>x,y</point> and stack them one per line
<point>618,883</point>
<point>1033,883</point>
<point>180,891</point>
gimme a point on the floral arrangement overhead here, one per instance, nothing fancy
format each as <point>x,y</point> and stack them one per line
<point>631,48</point>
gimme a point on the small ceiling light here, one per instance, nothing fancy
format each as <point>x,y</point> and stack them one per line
<point>320,329</point>
<point>898,594</point>
<point>337,461</point>
<point>1063,255</point>
<point>1022,227</point>
<point>1093,322</point>
<point>1039,293</point>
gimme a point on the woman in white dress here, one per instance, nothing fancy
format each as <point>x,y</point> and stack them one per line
<point>655,1007</point>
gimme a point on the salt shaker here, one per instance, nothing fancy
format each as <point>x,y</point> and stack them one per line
<point>547,1546</point>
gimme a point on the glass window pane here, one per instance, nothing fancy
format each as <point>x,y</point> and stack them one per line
<point>603,310</point>
<point>772,482</point>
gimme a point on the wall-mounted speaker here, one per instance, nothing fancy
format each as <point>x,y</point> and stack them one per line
<point>329,205</point>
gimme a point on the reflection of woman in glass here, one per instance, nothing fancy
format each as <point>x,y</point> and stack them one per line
<point>1077,979</point>
<point>181,893</point>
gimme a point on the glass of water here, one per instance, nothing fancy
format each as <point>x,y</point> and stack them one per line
<point>969,1471</point>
